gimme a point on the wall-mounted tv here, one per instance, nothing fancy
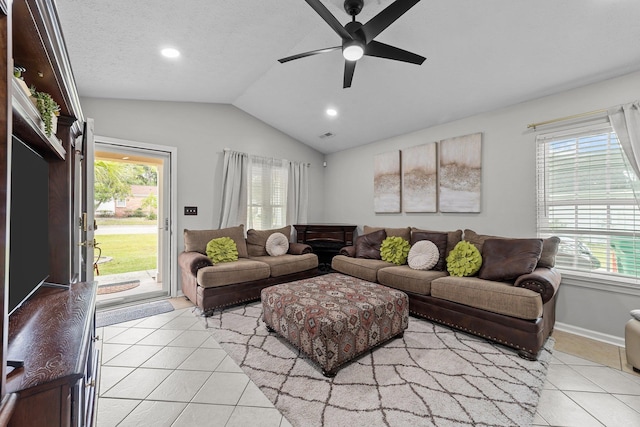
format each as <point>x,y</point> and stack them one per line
<point>28,223</point>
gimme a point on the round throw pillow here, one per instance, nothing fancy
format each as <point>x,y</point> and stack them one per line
<point>222,249</point>
<point>394,249</point>
<point>423,255</point>
<point>277,244</point>
<point>464,260</point>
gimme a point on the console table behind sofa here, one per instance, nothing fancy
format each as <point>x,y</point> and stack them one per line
<point>325,239</point>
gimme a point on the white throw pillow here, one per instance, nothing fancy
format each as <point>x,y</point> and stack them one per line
<point>277,244</point>
<point>423,255</point>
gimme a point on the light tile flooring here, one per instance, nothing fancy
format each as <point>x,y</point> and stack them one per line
<point>166,370</point>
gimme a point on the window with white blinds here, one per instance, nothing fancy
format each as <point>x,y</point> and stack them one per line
<point>267,193</point>
<point>585,196</point>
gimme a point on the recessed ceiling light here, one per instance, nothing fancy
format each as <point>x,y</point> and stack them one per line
<point>170,52</point>
<point>332,112</point>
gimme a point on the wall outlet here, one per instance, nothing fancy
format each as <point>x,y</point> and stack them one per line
<point>191,210</point>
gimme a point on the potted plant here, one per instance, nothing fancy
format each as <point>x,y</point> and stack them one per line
<point>17,74</point>
<point>48,109</point>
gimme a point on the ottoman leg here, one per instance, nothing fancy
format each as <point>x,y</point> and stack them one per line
<point>270,329</point>
<point>329,374</point>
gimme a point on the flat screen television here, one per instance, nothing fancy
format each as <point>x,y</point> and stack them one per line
<point>28,223</point>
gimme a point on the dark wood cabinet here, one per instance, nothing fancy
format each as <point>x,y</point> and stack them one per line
<point>54,334</point>
<point>54,331</point>
<point>325,239</point>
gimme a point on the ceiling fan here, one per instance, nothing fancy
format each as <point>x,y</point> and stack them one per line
<point>357,38</point>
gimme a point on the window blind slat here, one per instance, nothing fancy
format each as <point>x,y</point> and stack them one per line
<point>585,196</point>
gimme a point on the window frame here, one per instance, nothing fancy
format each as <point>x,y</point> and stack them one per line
<point>582,277</point>
<point>266,205</point>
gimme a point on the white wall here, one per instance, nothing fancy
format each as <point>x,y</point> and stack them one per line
<point>201,132</point>
<point>343,191</point>
<point>508,206</point>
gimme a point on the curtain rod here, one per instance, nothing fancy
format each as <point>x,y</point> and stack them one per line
<point>229,149</point>
<point>562,119</point>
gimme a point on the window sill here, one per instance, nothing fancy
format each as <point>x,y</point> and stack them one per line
<point>602,282</point>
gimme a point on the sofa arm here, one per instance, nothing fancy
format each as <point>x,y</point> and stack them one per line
<point>193,261</point>
<point>545,281</point>
<point>299,248</point>
<point>349,251</point>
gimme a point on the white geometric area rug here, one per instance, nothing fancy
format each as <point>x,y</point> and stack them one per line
<point>432,376</point>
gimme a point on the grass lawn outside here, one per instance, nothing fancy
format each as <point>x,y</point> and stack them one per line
<point>130,252</point>
<point>125,221</point>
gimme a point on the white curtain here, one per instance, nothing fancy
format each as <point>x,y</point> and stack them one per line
<point>625,120</point>
<point>234,189</point>
<point>298,193</point>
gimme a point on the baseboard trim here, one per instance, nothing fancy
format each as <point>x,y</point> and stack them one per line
<point>598,336</point>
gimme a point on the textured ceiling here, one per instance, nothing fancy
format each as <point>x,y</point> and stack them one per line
<point>481,55</point>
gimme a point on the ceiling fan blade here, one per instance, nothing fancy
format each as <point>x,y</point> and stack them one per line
<point>329,18</point>
<point>385,18</point>
<point>349,68</point>
<point>382,50</point>
<point>310,53</point>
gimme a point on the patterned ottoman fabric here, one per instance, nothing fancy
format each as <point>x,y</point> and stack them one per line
<point>335,318</point>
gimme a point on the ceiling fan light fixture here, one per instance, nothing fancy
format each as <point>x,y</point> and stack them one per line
<point>352,50</point>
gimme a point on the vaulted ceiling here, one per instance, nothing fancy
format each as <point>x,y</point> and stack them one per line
<point>481,55</point>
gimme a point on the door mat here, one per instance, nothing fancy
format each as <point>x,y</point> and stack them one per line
<point>111,288</point>
<point>120,315</point>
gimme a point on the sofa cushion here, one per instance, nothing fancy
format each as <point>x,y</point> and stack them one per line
<point>196,240</point>
<point>549,246</point>
<point>404,232</point>
<point>406,279</point>
<point>453,237</point>
<point>227,273</point>
<point>506,259</point>
<point>257,239</point>
<point>440,239</point>
<point>478,239</point>
<point>222,249</point>
<point>496,297</point>
<point>368,245</point>
<point>394,249</point>
<point>423,255</point>
<point>277,244</point>
<point>366,269</point>
<point>549,252</point>
<point>464,260</point>
<point>288,264</point>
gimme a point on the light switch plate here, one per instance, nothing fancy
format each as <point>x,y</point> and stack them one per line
<point>191,210</point>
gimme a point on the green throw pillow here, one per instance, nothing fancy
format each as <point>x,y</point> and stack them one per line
<point>395,249</point>
<point>222,249</point>
<point>464,260</point>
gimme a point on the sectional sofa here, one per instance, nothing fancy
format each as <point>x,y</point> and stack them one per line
<point>511,300</point>
<point>210,286</point>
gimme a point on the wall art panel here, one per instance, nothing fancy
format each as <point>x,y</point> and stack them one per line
<point>386,182</point>
<point>419,178</point>
<point>460,173</point>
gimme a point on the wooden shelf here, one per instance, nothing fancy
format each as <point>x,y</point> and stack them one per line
<point>38,46</point>
<point>53,333</point>
<point>28,125</point>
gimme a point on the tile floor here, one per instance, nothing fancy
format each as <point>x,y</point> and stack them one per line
<point>166,370</point>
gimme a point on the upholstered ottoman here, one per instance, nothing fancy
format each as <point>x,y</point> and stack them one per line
<point>334,318</point>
